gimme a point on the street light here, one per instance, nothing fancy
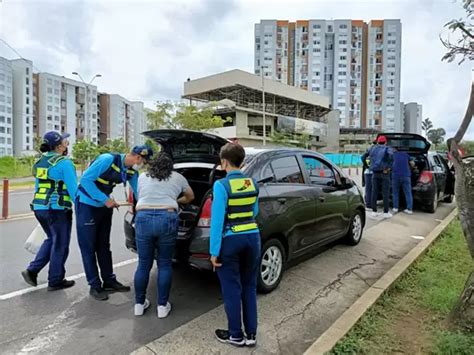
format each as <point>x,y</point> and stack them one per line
<point>263,111</point>
<point>87,86</point>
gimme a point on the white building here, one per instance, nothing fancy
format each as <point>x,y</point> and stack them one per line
<point>23,135</point>
<point>6,107</point>
<point>65,105</point>
<point>413,116</point>
<point>121,118</point>
<point>350,61</point>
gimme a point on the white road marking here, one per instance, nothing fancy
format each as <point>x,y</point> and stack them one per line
<point>73,277</point>
<point>420,237</point>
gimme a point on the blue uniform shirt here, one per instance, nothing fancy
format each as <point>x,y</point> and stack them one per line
<point>62,171</point>
<point>218,215</point>
<point>401,164</point>
<point>97,168</point>
<point>380,158</point>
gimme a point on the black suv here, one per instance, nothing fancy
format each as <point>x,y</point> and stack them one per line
<point>305,201</point>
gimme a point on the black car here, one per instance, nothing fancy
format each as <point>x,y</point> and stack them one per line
<point>432,179</point>
<point>305,201</point>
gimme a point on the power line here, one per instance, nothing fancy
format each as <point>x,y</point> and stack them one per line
<point>18,54</point>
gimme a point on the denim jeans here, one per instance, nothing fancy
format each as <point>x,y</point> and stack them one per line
<point>380,181</point>
<point>93,234</point>
<point>55,249</point>
<point>240,256</point>
<point>403,182</point>
<point>155,230</point>
<point>368,188</point>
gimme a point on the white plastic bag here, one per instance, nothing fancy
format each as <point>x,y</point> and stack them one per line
<point>35,240</point>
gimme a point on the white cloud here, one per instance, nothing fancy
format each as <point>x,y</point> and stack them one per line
<point>145,50</point>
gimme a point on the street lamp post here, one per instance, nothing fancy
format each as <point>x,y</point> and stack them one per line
<point>263,111</point>
<point>87,89</point>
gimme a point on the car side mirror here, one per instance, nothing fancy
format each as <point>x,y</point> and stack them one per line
<point>265,180</point>
<point>346,183</point>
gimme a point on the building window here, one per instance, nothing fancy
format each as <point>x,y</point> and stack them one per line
<point>316,27</point>
<point>56,91</point>
<point>27,80</point>
<point>27,91</point>
<point>50,90</point>
<point>343,57</point>
<point>50,81</point>
<point>342,73</point>
<point>343,41</point>
<point>2,119</point>
<point>50,108</point>
<point>27,110</point>
<point>2,98</point>
<point>329,28</point>
<point>27,139</point>
<point>343,27</point>
<point>27,71</point>
<point>50,99</point>
<point>2,108</point>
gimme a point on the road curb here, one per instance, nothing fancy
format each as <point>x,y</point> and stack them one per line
<point>17,217</point>
<point>349,318</point>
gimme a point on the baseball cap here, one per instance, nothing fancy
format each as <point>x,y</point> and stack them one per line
<point>53,138</point>
<point>382,139</point>
<point>144,150</point>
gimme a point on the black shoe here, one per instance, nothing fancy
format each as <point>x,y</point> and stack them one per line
<point>64,284</point>
<point>99,294</point>
<point>30,277</point>
<point>251,340</point>
<point>116,286</point>
<point>224,337</point>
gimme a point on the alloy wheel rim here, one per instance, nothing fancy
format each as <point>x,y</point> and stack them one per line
<point>271,265</point>
<point>357,227</point>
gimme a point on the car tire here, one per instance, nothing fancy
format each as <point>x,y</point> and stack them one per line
<point>431,208</point>
<point>271,266</point>
<point>356,228</point>
<point>448,198</point>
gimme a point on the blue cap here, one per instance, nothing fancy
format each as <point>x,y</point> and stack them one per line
<point>53,138</point>
<point>143,150</point>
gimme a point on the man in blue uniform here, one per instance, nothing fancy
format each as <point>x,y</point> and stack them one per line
<point>55,188</point>
<point>401,178</point>
<point>94,209</point>
<point>235,247</point>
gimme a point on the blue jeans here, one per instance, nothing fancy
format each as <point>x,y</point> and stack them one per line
<point>155,230</point>
<point>405,183</point>
<point>368,189</point>
<point>93,234</point>
<point>240,256</point>
<point>380,181</point>
<point>55,249</point>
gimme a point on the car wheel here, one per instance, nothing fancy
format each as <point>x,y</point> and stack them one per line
<point>448,198</point>
<point>433,205</point>
<point>271,266</point>
<point>354,235</point>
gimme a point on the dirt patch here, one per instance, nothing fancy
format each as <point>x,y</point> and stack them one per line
<point>409,329</point>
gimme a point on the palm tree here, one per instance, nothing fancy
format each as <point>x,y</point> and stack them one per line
<point>426,125</point>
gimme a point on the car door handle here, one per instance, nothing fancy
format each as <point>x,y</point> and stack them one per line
<point>282,200</point>
<point>322,198</point>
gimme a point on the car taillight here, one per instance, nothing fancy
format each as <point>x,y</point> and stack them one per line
<point>426,177</point>
<point>205,217</point>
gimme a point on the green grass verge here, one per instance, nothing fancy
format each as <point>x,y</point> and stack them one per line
<point>411,317</point>
<point>15,167</point>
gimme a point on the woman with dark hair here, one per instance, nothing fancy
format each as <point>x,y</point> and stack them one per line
<point>55,188</point>
<point>160,190</point>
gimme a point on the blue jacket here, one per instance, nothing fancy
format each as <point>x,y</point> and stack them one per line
<point>63,171</point>
<point>380,158</point>
<point>218,215</point>
<point>98,167</point>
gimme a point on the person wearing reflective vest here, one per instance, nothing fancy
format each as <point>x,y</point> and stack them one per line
<point>94,210</point>
<point>235,247</point>
<point>55,184</point>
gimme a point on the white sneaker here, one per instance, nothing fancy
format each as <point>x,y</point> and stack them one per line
<point>140,308</point>
<point>387,215</point>
<point>395,210</point>
<point>163,311</point>
<point>374,214</point>
<point>408,211</point>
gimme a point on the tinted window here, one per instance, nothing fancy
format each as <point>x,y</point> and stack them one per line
<point>319,172</point>
<point>287,170</point>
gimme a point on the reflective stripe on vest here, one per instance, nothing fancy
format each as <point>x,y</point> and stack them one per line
<point>47,187</point>
<point>242,195</point>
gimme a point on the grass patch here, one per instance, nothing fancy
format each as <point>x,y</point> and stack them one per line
<point>11,167</point>
<point>411,316</point>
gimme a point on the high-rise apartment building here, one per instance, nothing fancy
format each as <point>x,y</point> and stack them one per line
<point>121,118</point>
<point>355,64</point>
<point>413,116</point>
<point>66,105</point>
<point>6,107</point>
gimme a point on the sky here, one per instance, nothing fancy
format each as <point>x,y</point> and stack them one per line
<point>145,50</point>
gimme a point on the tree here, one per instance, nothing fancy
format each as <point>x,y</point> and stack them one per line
<point>426,125</point>
<point>282,138</point>
<point>463,312</point>
<point>113,146</point>
<point>436,136</point>
<point>84,151</point>
<point>183,116</point>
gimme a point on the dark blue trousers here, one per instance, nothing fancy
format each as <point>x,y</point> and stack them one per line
<point>240,256</point>
<point>368,189</point>
<point>380,181</point>
<point>93,234</point>
<point>55,249</point>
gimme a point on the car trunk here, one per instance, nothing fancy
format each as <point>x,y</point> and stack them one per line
<point>195,155</point>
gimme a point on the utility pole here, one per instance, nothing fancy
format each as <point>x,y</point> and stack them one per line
<point>263,111</point>
<point>86,93</point>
